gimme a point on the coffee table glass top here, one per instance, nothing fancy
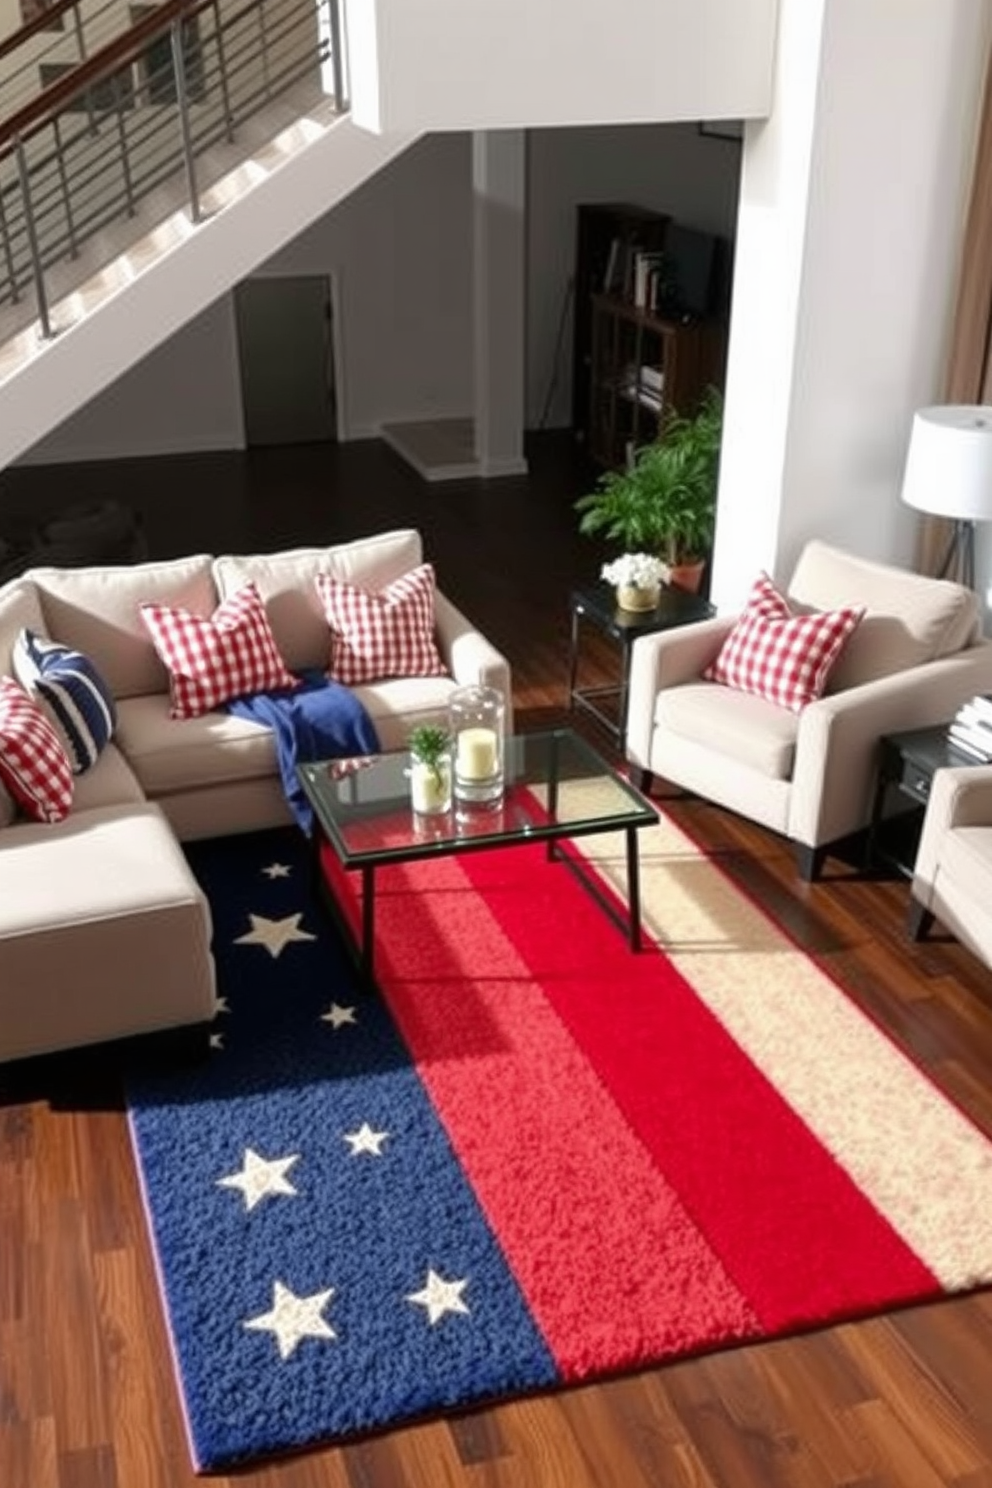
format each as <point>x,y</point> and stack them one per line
<point>557,786</point>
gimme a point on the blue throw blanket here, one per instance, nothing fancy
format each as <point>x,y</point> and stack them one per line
<point>318,720</point>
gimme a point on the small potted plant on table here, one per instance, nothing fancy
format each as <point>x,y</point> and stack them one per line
<point>430,769</point>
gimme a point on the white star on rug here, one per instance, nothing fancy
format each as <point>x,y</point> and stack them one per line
<point>216,1041</point>
<point>338,1016</point>
<point>220,1006</point>
<point>439,1297</point>
<point>366,1140</point>
<point>258,1177</point>
<point>277,870</point>
<point>293,1318</point>
<point>274,935</point>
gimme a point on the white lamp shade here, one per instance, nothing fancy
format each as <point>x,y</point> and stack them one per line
<point>949,465</point>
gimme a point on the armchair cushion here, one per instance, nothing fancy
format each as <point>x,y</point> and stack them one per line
<point>910,618</point>
<point>779,656</point>
<point>757,733</point>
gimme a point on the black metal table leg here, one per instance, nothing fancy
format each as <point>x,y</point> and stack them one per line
<point>368,919</point>
<point>573,659</point>
<point>634,888</point>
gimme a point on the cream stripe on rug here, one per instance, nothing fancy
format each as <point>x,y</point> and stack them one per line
<point>914,1154</point>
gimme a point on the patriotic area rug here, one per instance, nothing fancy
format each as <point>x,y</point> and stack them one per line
<point>535,1159</point>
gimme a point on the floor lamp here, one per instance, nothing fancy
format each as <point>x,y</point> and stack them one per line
<point>949,474</point>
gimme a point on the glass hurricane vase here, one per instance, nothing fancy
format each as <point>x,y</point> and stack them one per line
<point>477,721</point>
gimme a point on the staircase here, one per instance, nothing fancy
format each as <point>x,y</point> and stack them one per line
<point>256,163</point>
<point>142,275</point>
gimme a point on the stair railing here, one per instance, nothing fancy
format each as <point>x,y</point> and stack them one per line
<point>52,42</point>
<point>97,142</point>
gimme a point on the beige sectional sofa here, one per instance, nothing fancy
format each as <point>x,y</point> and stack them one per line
<point>104,932</point>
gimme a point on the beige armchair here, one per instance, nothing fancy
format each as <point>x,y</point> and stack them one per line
<point>915,657</point>
<point>952,879</point>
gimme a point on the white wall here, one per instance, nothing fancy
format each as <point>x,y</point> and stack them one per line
<point>184,396</point>
<point>853,199</point>
<point>512,64</point>
<point>669,167</point>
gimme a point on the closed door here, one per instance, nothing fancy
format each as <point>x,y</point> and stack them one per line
<point>285,346</point>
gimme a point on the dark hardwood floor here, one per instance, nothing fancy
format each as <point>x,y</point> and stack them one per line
<point>87,1398</point>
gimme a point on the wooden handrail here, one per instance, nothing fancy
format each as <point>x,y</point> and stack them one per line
<point>123,48</point>
<point>42,22</point>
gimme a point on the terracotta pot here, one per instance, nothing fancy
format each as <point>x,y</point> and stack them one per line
<point>631,597</point>
<point>687,576</point>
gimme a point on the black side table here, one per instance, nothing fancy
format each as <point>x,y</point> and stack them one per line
<point>597,606</point>
<point>907,763</point>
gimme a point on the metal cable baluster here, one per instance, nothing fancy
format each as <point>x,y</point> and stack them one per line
<point>263,48</point>
<point>29,223</point>
<point>222,68</point>
<point>179,68</point>
<point>122,139</point>
<point>8,252</point>
<point>337,55</point>
<point>77,21</point>
<point>64,180</point>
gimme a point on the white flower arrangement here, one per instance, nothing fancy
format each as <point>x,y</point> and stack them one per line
<point>640,570</point>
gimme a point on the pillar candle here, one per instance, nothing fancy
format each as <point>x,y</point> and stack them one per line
<point>476,758</point>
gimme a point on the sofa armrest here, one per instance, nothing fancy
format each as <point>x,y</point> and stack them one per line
<point>960,796</point>
<point>667,658</point>
<point>469,657</point>
<point>833,782</point>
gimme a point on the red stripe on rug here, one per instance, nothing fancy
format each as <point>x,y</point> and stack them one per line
<point>613,1268</point>
<point>795,1232</point>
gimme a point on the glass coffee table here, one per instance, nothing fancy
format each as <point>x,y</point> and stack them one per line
<point>557,787</point>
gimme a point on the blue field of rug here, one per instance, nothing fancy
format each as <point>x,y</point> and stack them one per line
<point>274,1176</point>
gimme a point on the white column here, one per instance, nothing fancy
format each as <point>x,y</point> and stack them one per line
<point>499,182</point>
<point>852,204</point>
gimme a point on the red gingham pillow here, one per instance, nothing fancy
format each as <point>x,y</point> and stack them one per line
<point>780,656</point>
<point>388,634</point>
<point>211,661</point>
<point>33,764</point>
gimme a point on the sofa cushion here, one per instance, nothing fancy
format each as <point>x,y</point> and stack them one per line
<point>169,755</point>
<point>910,619</point>
<point>110,782</point>
<point>286,583</point>
<point>385,634</point>
<point>397,706</point>
<point>19,607</point>
<point>96,610</point>
<point>779,656</point>
<point>33,765</point>
<point>754,732</point>
<point>211,660</point>
<point>71,691</point>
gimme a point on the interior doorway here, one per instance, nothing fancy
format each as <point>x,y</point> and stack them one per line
<point>286,354</point>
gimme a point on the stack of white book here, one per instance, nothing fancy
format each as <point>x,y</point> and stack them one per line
<point>971,730</point>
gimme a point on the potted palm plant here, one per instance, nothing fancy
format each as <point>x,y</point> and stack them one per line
<point>665,501</point>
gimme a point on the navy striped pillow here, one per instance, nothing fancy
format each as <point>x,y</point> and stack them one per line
<point>74,695</point>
